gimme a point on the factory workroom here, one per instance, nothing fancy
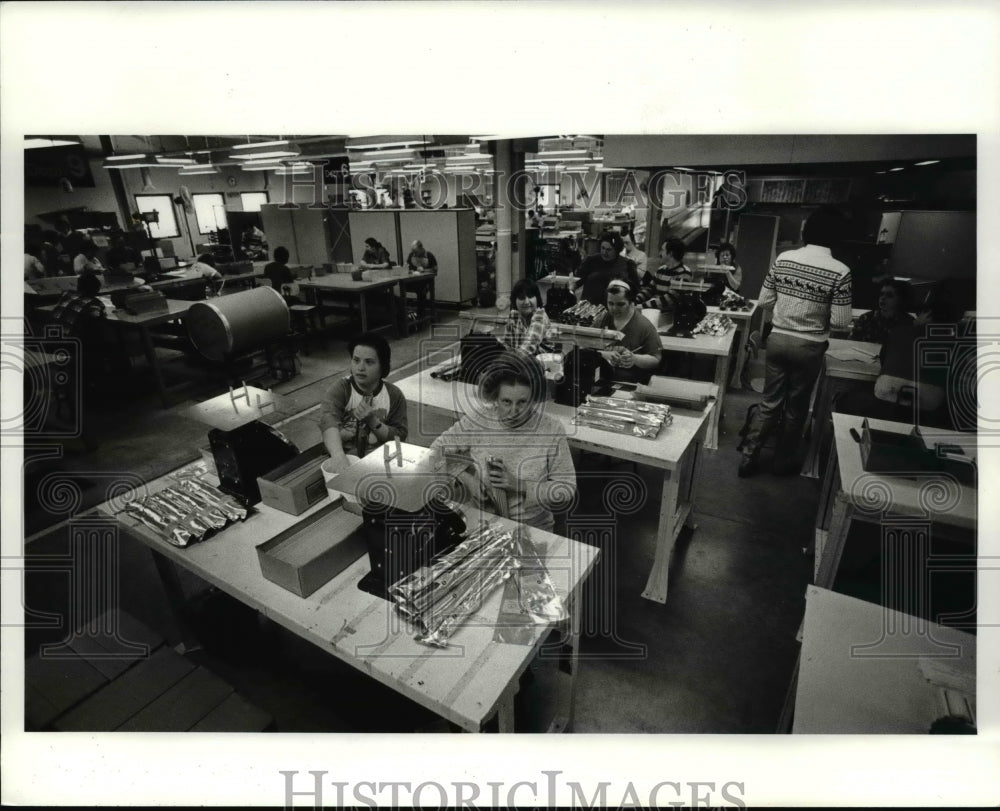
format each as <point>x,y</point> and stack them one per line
<point>604,463</point>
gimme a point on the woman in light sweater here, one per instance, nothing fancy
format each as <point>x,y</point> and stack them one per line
<point>510,455</point>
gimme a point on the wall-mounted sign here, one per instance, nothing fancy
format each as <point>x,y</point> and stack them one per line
<point>51,166</point>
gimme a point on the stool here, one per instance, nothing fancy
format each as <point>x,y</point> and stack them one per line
<point>130,680</point>
<point>304,323</point>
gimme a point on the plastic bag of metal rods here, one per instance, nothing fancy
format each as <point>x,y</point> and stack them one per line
<point>186,512</point>
<point>439,598</point>
<point>714,324</point>
<point>623,416</point>
<point>529,598</point>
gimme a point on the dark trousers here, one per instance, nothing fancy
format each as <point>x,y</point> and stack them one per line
<point>792,367</point>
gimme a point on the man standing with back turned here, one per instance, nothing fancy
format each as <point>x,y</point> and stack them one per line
<point>810,291</point>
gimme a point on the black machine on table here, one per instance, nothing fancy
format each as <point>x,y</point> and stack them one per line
<point>408,518</point>
<point>243,447</point>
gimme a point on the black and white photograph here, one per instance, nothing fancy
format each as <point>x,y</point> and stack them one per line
<point>486,404</point>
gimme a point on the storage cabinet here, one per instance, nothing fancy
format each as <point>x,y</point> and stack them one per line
<point>451,236</point>
<point>313,236</point>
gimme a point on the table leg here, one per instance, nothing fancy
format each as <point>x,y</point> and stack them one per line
<point>656,585</point>
<point>721,380</point>
<point>563,720</point>
<point>363,304</point>
<point>788,708</point>
<point>828,559</point>
<point>820,430</point>
<point>154,364</point>
<point>741,354</point>
<point>394,314</point>
<point>505,711</point>
<point>175,599</point>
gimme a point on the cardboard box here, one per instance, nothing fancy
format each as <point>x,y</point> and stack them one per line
<point>892,452</point>
<point>297,484</point>
<point>313,552</point>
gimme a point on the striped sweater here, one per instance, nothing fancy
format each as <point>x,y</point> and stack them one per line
<point>657,284</point>
<point>810,291</point>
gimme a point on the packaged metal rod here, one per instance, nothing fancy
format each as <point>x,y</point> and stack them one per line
<point>172,533</point>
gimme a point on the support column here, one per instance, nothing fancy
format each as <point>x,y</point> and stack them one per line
<point>509,197</point>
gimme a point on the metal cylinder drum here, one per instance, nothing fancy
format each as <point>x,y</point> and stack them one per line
<point>239,323</point>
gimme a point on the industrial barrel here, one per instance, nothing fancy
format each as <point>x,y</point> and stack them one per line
<point>238,323</point>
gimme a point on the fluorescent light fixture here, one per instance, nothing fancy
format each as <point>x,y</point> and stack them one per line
<point>199,170</point>
<point>420,166</point>
<point>882,172</point>
<point>37,143</point>
<point>261,144</point>
<point>261,155</point>
<point>548,152</point>
<point>461,168</point>
<point>926,163</point>
<point>175,161</point>
<point>897,168</point>
<point>382,146</point>
<point>136,164</point>
<point>125,157</point>
<point>377,153</point>
<point>684,169</point>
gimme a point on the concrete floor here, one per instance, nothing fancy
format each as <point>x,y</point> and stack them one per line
<point>717,657</point>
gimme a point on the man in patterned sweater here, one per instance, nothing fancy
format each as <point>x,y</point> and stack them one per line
<point>810,291</point>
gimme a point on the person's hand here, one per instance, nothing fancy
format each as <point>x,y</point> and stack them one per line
<point>625,359</point>
<point>500,477</point>
<point>366,413</point>
<point>610,356</point>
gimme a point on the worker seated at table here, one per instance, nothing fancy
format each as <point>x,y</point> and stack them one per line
<point>918,358</point>
<point>637,355</point>
<point>725,256</point>
<point>510,457</point>
<point>631,251</point>
<point>599,269</point>
<point>121,257</point>
<point>655,287</point>
<point>86,260</point>
<point>73,310</point>
<point>281,276</point>
<point>421,259</point>
<point>362,411</point>
<point>34,268</point>
<point>376,256</point>
<point>528,323</point>
<point>892,311</point>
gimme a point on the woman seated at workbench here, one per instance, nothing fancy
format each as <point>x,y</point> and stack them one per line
<point>599,269</point>
<point>362,411</point>
<point>637,355</point>
<point>892,310</point>
<point>510,456</point>
<point>916,379</point>
<point>528,323</point>
<point>375,257</point>
<point>725,257</point>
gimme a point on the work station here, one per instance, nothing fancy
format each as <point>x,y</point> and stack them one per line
<point>534,434</point>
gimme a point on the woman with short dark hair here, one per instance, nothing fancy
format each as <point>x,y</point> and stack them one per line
<point>528,323</point>
<point>375,256</point>
<point>362,411</point>
<point>893,310</point>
